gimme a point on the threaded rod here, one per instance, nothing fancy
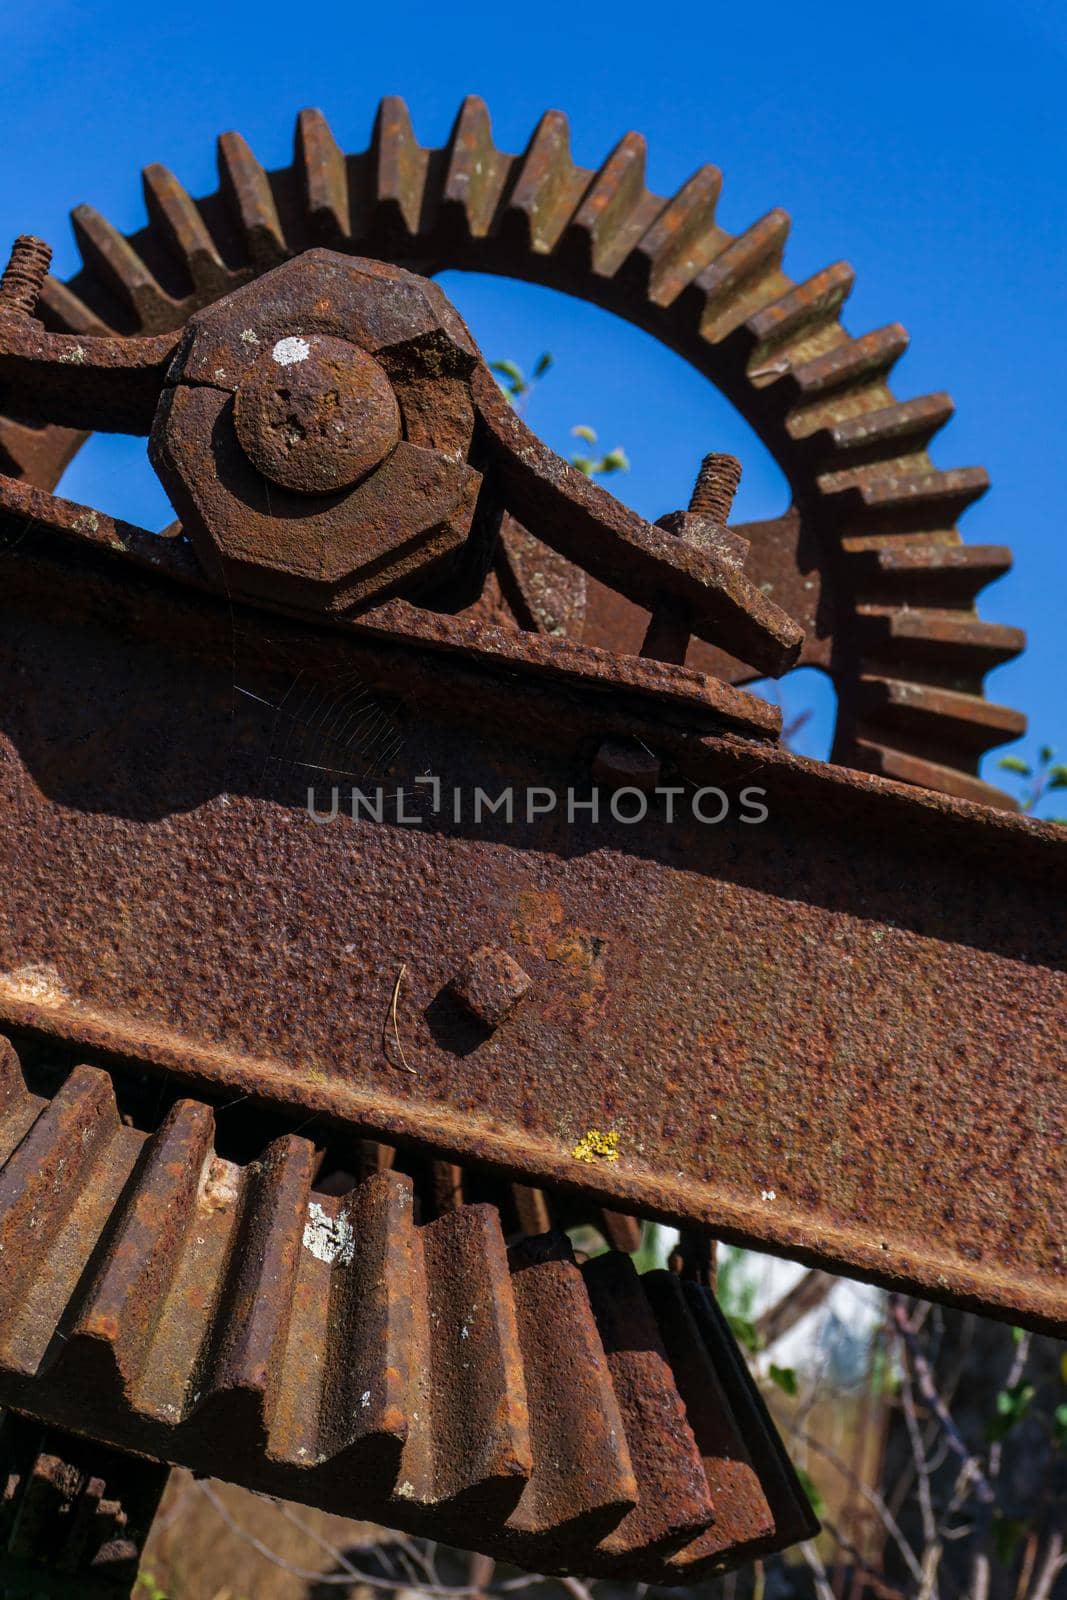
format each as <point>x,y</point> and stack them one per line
<point>24,275</point>
<point>716,485</point>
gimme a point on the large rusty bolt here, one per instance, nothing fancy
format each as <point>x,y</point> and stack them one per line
<point>316,414</point>
<point>24,275</point>
<point>314,431</point>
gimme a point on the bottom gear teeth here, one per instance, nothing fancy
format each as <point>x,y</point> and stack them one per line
<point>231,1319</point>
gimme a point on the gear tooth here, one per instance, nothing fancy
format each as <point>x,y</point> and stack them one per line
<point>889,567</point>
<point>869,756</point>
<point>744,1525</point>
<point>583,1481</point>
<point>867,360</point>
<point>106,252</point>
<point>240,1383</point>
<point>369,1391</point>
<point>42,1180</point>
<point>400,167</point>
<point>531,1210</point>
<point>680,242</point>
<point>964,722</point>
<point>108,1332</point>
<point>782,330</point>
<point>471,1388</point>
<point>546,190</point>
<point>674,1505</point>
<point>741,277</point>
<point>176,216</point>
<point>954,647</point>
<point>323,175</point>
<point>906,425</point>
<point>248,193</point>
<point>905,500</point>
<point>61,311</point>
<point>614,213</point>
<point>475,173</point>
<point>620,1231</point>
<point>794,1519</point>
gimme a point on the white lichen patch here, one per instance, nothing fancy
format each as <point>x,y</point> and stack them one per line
<point>73,357</point>
<point>290,350</point>
<point>767,1194</point>
<point>250,336</point>
<point>330,1239</point>
<point>219,1185</point>
<point>39,983</point>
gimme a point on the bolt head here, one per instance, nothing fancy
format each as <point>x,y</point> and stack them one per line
<point>623,764</point>
<point>315,414</point>
<point>490,985</point>
<point>313,434</point>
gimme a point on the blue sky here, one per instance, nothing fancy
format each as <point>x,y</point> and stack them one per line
<point>924,143</point>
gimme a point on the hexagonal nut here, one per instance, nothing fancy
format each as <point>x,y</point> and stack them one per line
<point>704,533</point>
<point>313,433</point>
<point>490,985</point>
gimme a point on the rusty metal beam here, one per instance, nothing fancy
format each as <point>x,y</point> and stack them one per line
<point>837,1034</point>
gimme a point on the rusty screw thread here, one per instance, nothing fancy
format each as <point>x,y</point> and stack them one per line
<point>716,485</point>
<point>24,274</point>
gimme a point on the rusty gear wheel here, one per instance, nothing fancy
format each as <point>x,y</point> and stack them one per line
<point>867,559</point>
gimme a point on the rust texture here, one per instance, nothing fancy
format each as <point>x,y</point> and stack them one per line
<point>868,559</point>
<point>676,972</point>
<point>232,1317</point>
<point>835,1033</point>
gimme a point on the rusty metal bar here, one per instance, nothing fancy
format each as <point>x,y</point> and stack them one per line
<point>836,1034</point>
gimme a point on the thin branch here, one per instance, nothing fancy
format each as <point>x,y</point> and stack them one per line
<point>873,1499</point>
<point>1054,1563</point>
<point>928,1389</point>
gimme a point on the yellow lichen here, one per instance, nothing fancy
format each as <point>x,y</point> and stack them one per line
<point>597,1146</point>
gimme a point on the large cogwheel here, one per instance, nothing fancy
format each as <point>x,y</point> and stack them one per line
<point>867,559</point>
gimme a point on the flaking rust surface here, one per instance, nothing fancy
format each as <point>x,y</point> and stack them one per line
<point>838,1033</point>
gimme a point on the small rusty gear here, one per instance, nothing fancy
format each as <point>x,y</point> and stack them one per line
<point>867,559</point>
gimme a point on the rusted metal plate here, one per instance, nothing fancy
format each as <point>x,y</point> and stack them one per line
<point>836,1033</point>
<point>233,1317</point>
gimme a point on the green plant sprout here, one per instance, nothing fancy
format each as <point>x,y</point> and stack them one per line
<point>598,466</point>
<point>1037,781</point>
<point>518,388</point>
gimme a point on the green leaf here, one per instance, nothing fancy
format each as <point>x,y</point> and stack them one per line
<point>584,464</point>
<point>1018,1335</point>
<point>784,1377</point>
<point>508,369</point>
<point>544,362</point>
<point>615,461</point>
<point>1011,1405</point>
<point>1059,1426</point>
<point>582,432</point>
<point>1045,754</point>
<point>1057,777</point>
<point>1013,764</point>
<point>744,1331</point>
<point>810,1490</point>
